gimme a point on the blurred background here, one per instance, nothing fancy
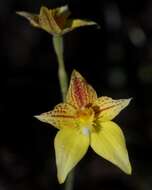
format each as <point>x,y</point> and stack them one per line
<point>116,60</point>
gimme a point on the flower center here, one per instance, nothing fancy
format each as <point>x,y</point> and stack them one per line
<point>85,120</point>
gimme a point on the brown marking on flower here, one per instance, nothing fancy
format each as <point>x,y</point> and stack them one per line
<point>80,92</point>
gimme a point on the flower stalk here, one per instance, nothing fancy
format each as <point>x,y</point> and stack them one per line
<point>70,181</point>
<point>63,80</point>
<point>62,75</point>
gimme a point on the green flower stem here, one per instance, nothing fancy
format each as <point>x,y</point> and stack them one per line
<point>59,49</point>
<point>70,181</point>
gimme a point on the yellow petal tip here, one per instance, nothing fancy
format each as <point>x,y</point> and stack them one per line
<point>129,170</point>
<point>43,8</point>
<point>127,102</point>
<point>76,74</point>
<point>63,9</point>
<point>21,13</point>
<point>74,71</point>
<point>61,180</point>
<point>126,168</point>
<point>39,117</point>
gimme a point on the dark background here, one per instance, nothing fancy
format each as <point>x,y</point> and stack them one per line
<point>116,60</point>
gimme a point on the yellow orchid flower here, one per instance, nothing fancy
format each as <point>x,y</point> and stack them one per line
<point>83,120</point>
<point>55,21</point>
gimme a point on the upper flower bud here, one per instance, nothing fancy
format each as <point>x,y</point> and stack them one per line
<point>55,21</point>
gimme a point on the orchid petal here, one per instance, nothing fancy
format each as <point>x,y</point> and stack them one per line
<point>70,147</point>
<point>108,141</point>
<point>80,93</point>
<point>72,24</point>
<point>76,23</point>
<point>107,108</point>
<point>33,18</point>
<point>47,21</point>
<point>63,115</point>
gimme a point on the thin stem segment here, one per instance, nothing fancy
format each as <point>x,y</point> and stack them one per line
<point>62,75</point>
<point>70,181</point>
<point>59,50</point>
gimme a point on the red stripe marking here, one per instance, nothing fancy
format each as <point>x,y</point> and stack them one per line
<point>80,92</point>
<point>101,110</point>
<point>64,116</point>
<point>98,110</point>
